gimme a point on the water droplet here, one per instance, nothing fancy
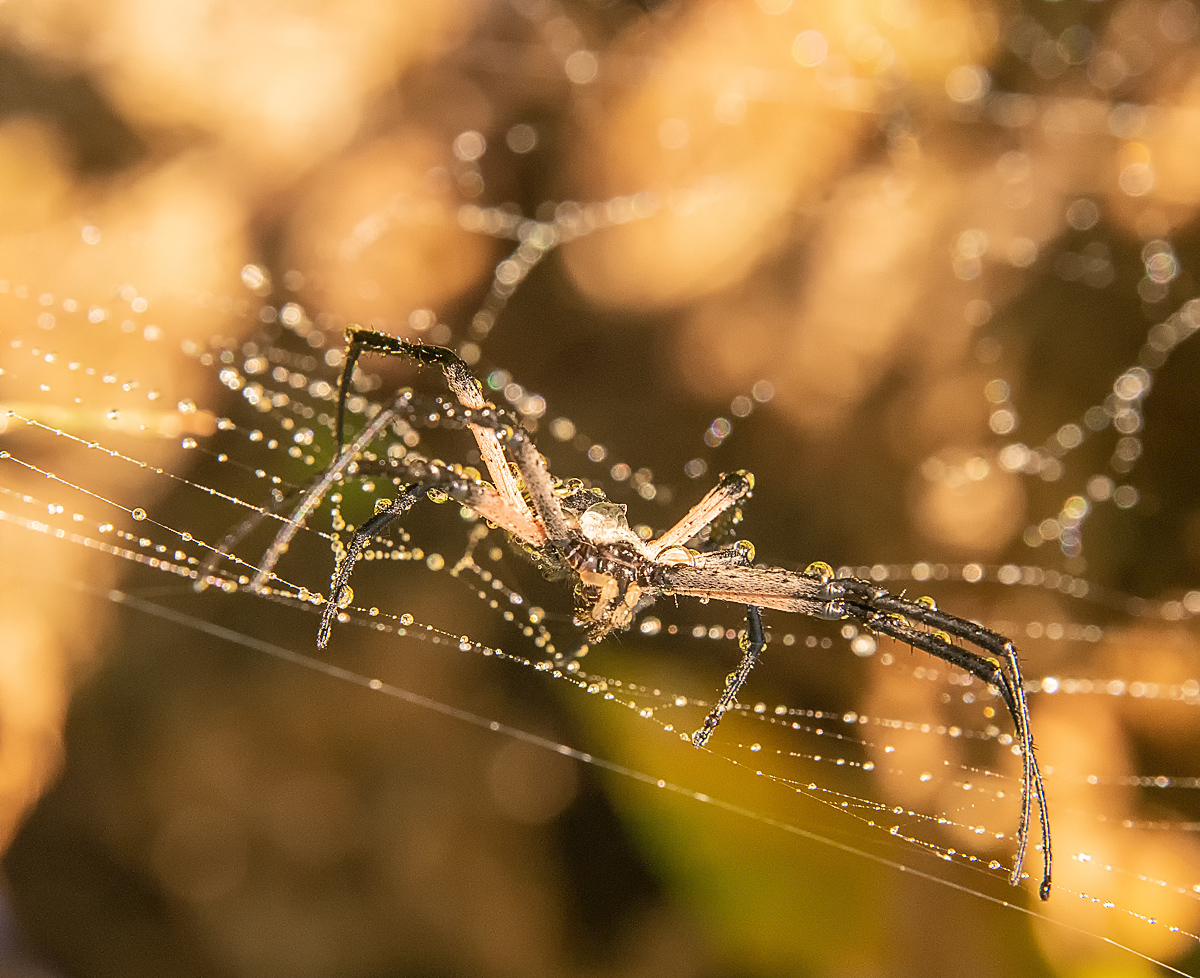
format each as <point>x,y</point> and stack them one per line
<point>138,514</point>
<point>605,523</point>
<point>435,562</point>
<point>927,602</point>
<point>345,596</point>
<point>650,626</point>
<point>436,496</point>
<point>406,619</point>
<point>188,443</point>
<point>822,571</point>
<point>381,505</point>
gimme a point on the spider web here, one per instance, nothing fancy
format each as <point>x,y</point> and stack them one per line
<point>879,759</point>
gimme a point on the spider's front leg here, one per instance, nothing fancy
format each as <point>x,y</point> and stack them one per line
<point>345,566</point>
<point>459,379</point>
<point>731,489</point>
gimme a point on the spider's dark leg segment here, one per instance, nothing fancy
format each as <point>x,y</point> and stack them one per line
<point>459,379</point>
<point>998,666</point>
<point>419,476</point>
<point>317,492</point>
<point>359,341</point>
<point>753,644</point>
<point>341,573</point>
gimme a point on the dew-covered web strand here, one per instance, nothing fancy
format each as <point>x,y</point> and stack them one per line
<point>607,686</point>
<point>463,716</point>
<point>865,803</point>
<point>919,572</point>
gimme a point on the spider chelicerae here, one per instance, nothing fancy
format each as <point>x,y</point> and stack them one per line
<point>574,534</point>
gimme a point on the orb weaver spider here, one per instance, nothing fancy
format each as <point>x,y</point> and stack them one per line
<point>575,534</point>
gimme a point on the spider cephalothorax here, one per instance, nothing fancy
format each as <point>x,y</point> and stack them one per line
<point>615,579</point>
<point>574,533</point>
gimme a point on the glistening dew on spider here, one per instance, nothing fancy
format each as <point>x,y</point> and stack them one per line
<point>574,534</point>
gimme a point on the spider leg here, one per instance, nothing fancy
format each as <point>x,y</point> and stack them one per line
<point>419,476</point>
<point>345,566</point>
<point>775,587</point>
<point>741,554</point>
<point>529,463</point>
<point>731,489</point>
<point>766,587</point>
<point>236,535</point>
<point>540,487</point>
<point>753,644</point>
<point>998,666</point>
<point>482,498</point>
<point>459,379</point>
<point>317,492</point>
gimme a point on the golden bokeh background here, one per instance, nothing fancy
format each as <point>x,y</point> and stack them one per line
<point>922,230</point>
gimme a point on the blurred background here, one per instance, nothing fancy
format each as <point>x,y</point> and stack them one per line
<point>923,266</point>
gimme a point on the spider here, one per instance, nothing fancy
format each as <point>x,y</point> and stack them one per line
<point>575,534</point>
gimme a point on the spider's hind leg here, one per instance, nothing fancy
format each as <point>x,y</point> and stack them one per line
<point>996,665</point>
